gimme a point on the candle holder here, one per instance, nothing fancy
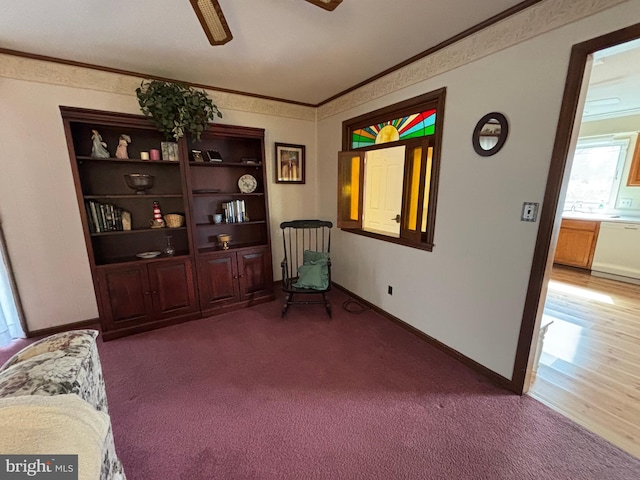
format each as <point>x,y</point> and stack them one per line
<point>224,239</point>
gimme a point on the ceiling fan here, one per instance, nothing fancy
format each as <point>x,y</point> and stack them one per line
<point>215,25</point>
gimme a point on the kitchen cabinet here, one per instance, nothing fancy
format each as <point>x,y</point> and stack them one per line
<point>634,172</point>
<point>618,251</point>
<point>577,243</point>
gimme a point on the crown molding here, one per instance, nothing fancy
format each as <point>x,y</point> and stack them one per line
<point>531,22</point>
<point>32,68</point>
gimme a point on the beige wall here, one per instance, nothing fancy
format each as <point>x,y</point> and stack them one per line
<point>37,197</point>
<point>469,292</point>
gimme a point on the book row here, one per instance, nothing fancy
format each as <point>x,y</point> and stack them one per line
<point>106,217</point>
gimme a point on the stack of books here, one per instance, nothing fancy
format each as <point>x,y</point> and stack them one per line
<point>104,217</point>
<point>234,212</point>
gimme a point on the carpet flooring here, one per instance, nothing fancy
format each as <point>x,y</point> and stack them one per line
<point>248,395</point>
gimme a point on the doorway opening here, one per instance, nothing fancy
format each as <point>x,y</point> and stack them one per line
<point>384,174</point>
<point>599,193</point>
<point>11,317</point>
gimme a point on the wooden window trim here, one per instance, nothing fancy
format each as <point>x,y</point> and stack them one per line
<point>400,241</point>
<point>342,213</point>
<point>418,239</point>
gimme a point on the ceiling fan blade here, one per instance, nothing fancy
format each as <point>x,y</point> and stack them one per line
<point>326,4</point>
<point>212,20</point>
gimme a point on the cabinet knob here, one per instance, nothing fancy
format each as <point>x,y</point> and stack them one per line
<point>147,292</point>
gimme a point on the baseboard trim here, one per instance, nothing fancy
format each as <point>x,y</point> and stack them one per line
<point>93,322</point>
<point>490,374</point>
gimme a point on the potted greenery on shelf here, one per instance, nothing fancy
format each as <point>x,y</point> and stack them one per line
<point>176,108</point>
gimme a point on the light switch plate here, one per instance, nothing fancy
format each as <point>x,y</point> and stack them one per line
<point>529,212</point>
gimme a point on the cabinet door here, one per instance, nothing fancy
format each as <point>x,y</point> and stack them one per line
<point>125,296</point>
<point>575,247</point>
<point>255,278</point>
<point>217,278</point>
<point>172,288</point>
<point>634,171</point>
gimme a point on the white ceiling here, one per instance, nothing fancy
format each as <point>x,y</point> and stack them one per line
<point>288,49</point>
<point>614,84</point>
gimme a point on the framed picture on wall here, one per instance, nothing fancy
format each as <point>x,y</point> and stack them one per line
<point>290,167</point>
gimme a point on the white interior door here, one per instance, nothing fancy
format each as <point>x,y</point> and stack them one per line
<point>384,171</point>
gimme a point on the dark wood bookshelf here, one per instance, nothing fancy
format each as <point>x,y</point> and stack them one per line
<point>200,278</point>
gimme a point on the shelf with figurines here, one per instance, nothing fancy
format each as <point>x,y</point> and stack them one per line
<point>84,158</point>
<point>94,143</point>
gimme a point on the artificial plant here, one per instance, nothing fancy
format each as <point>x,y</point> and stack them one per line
<point>176,108</point>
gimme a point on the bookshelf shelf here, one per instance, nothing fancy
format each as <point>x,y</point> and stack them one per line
<point>149,196</point>
<point>226,165</point>
<point>234,224</point>
<point>84,158</point>
<point>138,231</point>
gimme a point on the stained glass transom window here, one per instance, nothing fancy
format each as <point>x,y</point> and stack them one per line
<point>412,126</point>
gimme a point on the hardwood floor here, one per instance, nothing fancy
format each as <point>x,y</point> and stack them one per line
<point>590,365</point>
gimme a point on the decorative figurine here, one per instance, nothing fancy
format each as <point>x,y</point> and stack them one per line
<point>158,221</point>
<point>99,149</point>
<point>121,151</point>
<point>126,220</point>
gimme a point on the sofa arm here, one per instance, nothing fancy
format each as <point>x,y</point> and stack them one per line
<point>60,364</point>
<point>66,343</point>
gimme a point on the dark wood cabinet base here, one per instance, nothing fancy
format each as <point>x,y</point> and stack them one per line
<point>145,327</point>
<point>236,306</point>
<point>108,335</point>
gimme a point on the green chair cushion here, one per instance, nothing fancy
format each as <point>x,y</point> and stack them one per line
<point>310,256</point>
<point>314,273</point>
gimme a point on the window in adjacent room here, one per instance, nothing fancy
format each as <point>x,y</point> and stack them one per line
<point>388,171</point>
<point>595,174</point>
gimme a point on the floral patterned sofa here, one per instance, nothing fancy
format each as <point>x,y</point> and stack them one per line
<point>65,363</point>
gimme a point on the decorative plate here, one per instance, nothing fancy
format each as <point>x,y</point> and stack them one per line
<point>148,254</point>
<point>247,183</point>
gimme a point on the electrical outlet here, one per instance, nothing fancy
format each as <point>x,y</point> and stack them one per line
<point>390,290</point>
<point>626,202</point>
<point>529,211</point>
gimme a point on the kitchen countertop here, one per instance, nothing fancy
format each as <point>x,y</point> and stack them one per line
<point>600,217</point>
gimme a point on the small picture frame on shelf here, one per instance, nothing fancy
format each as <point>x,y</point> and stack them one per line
<point>169,151</point>
<point>290,166</point>
<point>214,156</point>
<point>197,156</point>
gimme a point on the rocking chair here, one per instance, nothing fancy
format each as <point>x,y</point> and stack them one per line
<point>306,268</point>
